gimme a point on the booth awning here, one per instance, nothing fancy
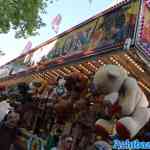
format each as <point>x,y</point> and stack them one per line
<point>118,35</point>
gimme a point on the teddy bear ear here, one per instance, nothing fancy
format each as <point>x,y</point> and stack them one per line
<point>112,75</point>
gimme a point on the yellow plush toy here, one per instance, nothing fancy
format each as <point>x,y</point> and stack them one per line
<point>122,96</point>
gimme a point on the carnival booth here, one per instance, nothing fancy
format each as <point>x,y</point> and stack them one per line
<point>64,79</point>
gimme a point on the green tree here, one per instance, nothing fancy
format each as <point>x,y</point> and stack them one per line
<point>24,16</point>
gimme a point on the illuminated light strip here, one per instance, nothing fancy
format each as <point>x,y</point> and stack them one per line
<point>61,72</point>
<point>32,76</point>
<point>88,70</point>
<point>41,76</point>
<point>55,73</point>
<point>101,62</point>
<point>117,63</point>
<point>134,63</point>
<point>75,69</point>
<point>44,75</point>
<point>36,76</point>
<point>82,67</point>
<point>50,74</point>
<point>116,57</point>
<point>47,76</point>
<point>144,86</point>
<point>92,69</point>
<point>58,73</point>
<point>67,70</point>
<point>92,65</point>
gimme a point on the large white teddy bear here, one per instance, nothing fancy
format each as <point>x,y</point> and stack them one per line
<point>122,91</point>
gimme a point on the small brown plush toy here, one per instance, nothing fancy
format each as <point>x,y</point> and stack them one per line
<point>63,109</point>
<point>76,82</point>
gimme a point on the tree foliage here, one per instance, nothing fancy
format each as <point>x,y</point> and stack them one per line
<point>24,16</point>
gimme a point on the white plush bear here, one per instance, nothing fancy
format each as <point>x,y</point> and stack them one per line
<point>122,91</point>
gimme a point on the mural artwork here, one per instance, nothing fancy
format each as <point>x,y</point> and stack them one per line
<point>103,32</point>
<point>145,32</point>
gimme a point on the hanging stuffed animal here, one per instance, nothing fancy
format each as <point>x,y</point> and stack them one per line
<point>62,106</point>
<point>77,84</point>
<point>60,89</point>
<point>124,98</point>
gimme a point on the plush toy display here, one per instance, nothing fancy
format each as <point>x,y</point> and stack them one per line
<point>76,82</point>
<point>89,111</point>
<point>60,89</point>
<point>37,87</point>
<point>74,86</point>
<point>122,97</point>
<point>12,119</point>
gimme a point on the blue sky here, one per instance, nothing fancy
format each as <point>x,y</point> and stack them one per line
<point>73,12</point>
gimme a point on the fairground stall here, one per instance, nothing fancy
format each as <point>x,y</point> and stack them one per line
<point>120,35</point>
